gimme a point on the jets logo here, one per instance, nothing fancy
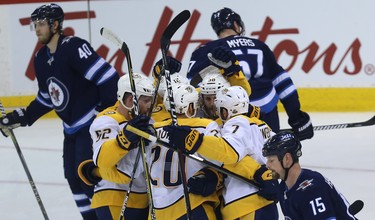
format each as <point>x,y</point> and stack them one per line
<point>58,93</point>
<point>66,39</point>
<point>305,184</point>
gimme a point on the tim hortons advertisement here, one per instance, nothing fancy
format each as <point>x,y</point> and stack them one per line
<point>320,44</point>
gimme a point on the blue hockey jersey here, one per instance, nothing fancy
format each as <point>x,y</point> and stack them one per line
<point>268,80</point>
<point>74,81</point>
<point>313,197</point>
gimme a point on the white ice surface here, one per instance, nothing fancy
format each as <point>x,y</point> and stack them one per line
<point>345,156</point>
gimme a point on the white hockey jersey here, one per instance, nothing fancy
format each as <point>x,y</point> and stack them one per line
<point>167,188</point>
<point>115,164</point>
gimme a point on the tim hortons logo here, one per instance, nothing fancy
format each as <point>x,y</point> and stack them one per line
<point>312,54</point>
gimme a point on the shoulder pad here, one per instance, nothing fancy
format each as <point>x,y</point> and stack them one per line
<point>67,39</point>
<point>195,122</point>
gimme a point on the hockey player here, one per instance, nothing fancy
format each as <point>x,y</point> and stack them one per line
<point>269,81</point>
<point>240,146</point>
<point>74,81</point>
<point>304,194</point>
<point>210,85</point>
<point>114,158</point>
<point>159,113</point>
<point>167,188</point>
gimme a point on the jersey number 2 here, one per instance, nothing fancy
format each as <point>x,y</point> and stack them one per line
<point>171,174</point>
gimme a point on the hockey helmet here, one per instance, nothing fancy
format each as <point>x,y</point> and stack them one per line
<point>183,96</point>
<point>143,86</point>
<point>282,143</point>
<point>50,12</point>
<point>224,19</point>
<point>176,79</point>
<point>234,99</point>
<point>212,83</point>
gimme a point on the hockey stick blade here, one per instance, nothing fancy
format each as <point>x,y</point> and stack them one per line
<point>115,39</point>
<point>111,36</point>
<point>172,27</point>
<point>356,207</point>
<point>369,122</point>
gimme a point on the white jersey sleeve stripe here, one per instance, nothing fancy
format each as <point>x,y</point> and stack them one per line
<point>91,72</point>
<point>286,92</point>
<point>107,76</point>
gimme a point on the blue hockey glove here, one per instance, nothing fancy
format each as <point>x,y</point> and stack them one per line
<point>268,185</point>
<point>174,66</point>
<point>224,59</point>
<point>86,173</point>
<point>205,182</point>
<point>13,120</point>
<point>184,138</point>
<point>127,140</point>
<point>302,126</point>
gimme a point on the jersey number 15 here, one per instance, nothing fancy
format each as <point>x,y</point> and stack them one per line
<point>317,205</point>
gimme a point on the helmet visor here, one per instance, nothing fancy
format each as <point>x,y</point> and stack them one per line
<point>38,22</point>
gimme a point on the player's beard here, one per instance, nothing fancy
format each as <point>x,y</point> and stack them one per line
<point>210,112</point>
<point>45,39</point>
<point>275,175</point>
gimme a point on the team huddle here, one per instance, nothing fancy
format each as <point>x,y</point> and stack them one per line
<point>204,146</point>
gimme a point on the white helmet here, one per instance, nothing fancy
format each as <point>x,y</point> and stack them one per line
<point>176,79</point>
<point>234,99</point>
<point>143,86</point>
<point>183,96</point>
<point>212,83</point>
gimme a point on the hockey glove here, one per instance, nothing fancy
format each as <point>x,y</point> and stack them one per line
<point>127,140</point>
<point>268,185</point>
<point>174,66</point>
<point>254,112</point>
<point>205,182</point>
<point>184,138</point>
<point>86,173</point>
<point>13,120</point>
<point>224,59</point>
<point>302,126</point>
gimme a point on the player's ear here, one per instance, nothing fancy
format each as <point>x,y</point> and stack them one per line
<point>128,100</point>
<point>224,113</point>
<point>55,26</point>
<point>288,160</point>
<point>191,110</point>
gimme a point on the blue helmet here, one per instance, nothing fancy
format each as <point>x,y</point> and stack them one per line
<point>282,143</point>
<point>50,12</point>
<point>224,19</point>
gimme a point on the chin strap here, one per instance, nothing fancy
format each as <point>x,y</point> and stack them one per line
<point>286,169</point>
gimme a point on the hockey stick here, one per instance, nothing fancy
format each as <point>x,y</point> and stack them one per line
<point>356,207</point>
<point>197,78</point>
<point>165,41</point>
<point>108,34</point>
<point>25,167</point>
<point>154,139</point>
<point>369,122</point>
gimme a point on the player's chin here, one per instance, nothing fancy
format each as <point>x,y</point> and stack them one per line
<point>42,40</point>
<point>144,111</point>
<point>275,175</point>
